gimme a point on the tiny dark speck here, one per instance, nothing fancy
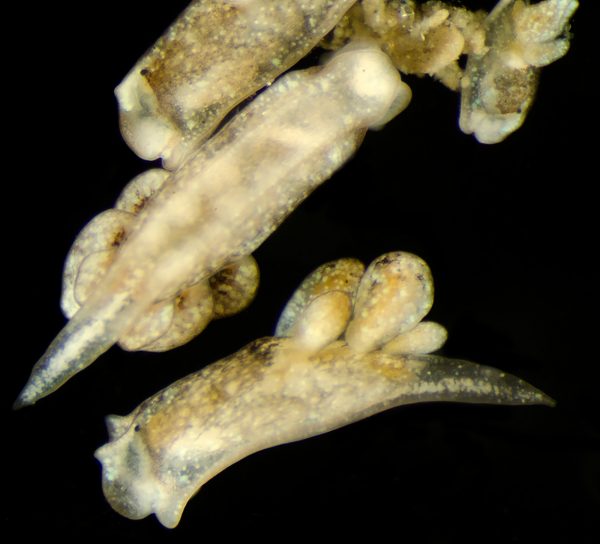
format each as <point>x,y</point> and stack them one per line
<point>137,428</point>
<point>144,72</point>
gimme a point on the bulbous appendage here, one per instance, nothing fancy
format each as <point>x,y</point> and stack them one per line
<point>319,311</point>
<point>233,287</point>
<point>171,323</point>
<point>395,293</point>
<point>425,337</point>
<point>166,324</point>
<point>307,381</point>
<point>174,322</point>
<point>505,49</point>
<point>95,248</point>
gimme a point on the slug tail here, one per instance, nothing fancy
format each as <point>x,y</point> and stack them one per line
<point>77,346</point>
<point>454,380</point>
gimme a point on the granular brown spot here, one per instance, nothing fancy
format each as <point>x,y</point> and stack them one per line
<point>119,238</point>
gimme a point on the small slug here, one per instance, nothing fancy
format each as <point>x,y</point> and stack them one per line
<point>285,388</point>
<point>499,84</point>
<point>172,232</point>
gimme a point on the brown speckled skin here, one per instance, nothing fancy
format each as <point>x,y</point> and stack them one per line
<point>395,294</point>
<point>271,392</point>
<point>341,276</point>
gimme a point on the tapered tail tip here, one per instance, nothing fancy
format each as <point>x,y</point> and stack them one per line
<point>27,397</point>
<point>77,346</point>
<point>545,400</point>
<point>19,403</point>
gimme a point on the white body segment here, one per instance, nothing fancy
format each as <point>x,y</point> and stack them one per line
<point>281,389</point>
<point>223,202</point>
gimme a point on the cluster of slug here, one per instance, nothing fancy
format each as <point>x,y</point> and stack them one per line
<point>176,251</point>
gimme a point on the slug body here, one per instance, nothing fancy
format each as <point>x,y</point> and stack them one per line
<point>281,389</point>
<point>218,207</point>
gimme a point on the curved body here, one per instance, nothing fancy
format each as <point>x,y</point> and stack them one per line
<point>271,392</point>
<point>341,360</point>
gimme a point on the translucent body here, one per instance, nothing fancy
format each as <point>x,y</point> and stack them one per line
<point>281,389</point>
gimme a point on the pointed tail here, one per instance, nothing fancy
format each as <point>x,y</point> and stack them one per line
<point>455,380</point>
<point>77,346</point>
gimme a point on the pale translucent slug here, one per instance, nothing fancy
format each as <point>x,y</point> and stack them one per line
<point>286,388</point>
<point>213,211</point>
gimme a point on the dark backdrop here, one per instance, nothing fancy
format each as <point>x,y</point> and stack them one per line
<point>508,230</point>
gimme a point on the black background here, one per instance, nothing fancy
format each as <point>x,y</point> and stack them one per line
<point>508,230</point>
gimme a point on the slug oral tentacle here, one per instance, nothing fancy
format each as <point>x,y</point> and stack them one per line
<point>281,389</point>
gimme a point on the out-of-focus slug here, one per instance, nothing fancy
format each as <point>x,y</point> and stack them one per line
<point>348,346</point>
<point>138,274</point>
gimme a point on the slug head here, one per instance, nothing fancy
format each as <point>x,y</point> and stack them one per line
<point>130,481</point>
